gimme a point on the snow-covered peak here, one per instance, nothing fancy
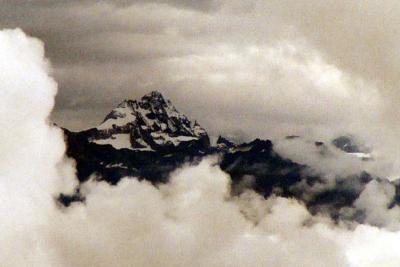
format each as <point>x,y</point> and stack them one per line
<point>154,96</point>
<point>151,123</point>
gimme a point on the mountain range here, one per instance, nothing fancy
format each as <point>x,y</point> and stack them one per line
<point>149,138</point>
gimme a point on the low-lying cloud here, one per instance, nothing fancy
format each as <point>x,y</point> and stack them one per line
<point>193,220</point>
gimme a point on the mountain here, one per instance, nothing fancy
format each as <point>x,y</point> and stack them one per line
<point>148,139</point>
<point>149,124</point>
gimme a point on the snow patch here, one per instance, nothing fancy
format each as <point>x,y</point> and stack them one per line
<point>118,141</point>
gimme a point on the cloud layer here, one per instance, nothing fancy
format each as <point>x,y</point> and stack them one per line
<point>193,220</point>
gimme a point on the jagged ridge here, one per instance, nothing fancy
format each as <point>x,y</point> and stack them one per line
<point>160,139</point>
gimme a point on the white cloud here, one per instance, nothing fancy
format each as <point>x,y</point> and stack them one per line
<point>190,221</point>
<point>31,151</point>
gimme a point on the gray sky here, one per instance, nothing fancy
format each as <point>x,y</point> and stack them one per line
<point>243,68</point>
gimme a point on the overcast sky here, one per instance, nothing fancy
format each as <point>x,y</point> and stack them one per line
<point>242,68</point>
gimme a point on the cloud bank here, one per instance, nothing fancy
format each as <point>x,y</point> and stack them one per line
<point>193,220</point>
<point>33,169</point>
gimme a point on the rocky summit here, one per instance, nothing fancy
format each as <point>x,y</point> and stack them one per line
<point>149,124</point>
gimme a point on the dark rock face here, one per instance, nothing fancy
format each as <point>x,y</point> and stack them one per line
<point>224,143</point>
<point>269,172</point>
<point>149,138</point>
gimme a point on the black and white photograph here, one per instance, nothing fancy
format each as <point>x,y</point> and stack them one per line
<point>199,133</point>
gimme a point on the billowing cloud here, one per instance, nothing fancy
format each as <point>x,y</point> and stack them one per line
<point>193,220</point>
<point>190,221</point>
<point>33,168</point>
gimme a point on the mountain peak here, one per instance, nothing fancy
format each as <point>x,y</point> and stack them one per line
<point>154,94</point>
<point>223,142</point>
<point>151,123</point>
